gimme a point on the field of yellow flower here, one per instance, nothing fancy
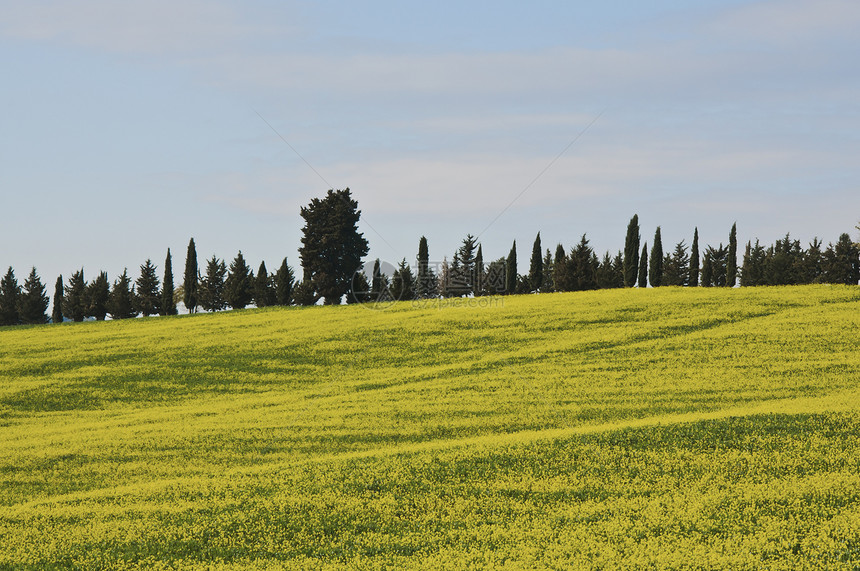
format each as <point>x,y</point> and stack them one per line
<point>617,429</point>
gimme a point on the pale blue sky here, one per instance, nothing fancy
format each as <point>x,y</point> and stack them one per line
<point>129,127</point>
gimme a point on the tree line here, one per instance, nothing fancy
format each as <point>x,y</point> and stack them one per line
<point>332,251</point>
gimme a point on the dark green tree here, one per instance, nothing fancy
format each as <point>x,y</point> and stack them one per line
<point>264,289</point>
<point>604,272</point>
<point>167,305</point>
<point>403,283</point>
<point>843,262</point>
<point>148,296</point>
<point>480,272</point>
<point>582,266</point>
<point>10,292</point>
<point>812,264</point>
<point>618,269</point>
<point>707,270</point>
<point>536,266</point>
<point>57,313</point>
<point>548,268</point>
<point>121,303</point>
<point>643,267</point>
<point>190,282</point>
<point>676,268</point>
<point>655,274</point>
<point>377,282</point>
<point>693,280</point>
<point>303,293</point>
<point>211,286</point>
<point>284,280</point>
<point>562,278</point>
<point>753,273</point>
<point>33,302</point>
<point>239,288</point>
<point>631,252</point>
<point>332,247</point>
<point>359,291</point>
<point>426,281</point>
<point>719,260</point>
<point>98,297</point>
<point>511,270</point>
<point>75,300</point>
<point>465,262</point>
<point>496,279</point>
<point>732,257</point>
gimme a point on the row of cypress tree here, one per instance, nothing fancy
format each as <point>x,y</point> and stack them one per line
<point>216,289</point>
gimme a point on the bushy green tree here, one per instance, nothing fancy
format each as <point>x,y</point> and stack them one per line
<point>631,252</point>
<point>582,266</point>
<point>676,268</point>
<point>121,303</point>
<point>33,301</point>
<point>148,296</point>
<point>211,286</point>
<point>332,247</point>
<point>264,289</point>
<point>238,288</point>
<point>284,280</point>
<point>547,281</point>
<point>98,297</point>
<point>75,300</point>
<point>403,282</point>
<point>755,258</point>
<point>843,262</point>
<point>10,293</point>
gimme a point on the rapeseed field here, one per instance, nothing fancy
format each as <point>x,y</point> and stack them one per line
<point>666,428</point>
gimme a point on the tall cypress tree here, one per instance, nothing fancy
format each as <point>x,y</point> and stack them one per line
<point>426,281</point>
<point>656,269</point>
<point>148,294</point>
<point>643,267</point>
<point>168,306</point>
<point>121,303</point>
<point>190,283</point>
<point>238,289</point>
<point>511,270</point>
<point>732,262</point>
<point>57,313</point>
<point>536,266</point>
<point>693,280</point>
<point>98,297</point>
<point>284,279</point>
<point>480,273</point>
<point>75,301</point>
<point>631,252</point>
<point>33,303</point>
<point>10,292</point>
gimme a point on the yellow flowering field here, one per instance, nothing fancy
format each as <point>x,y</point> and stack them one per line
<point>618,429</point>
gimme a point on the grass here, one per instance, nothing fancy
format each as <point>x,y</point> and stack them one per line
<point>670,428</point>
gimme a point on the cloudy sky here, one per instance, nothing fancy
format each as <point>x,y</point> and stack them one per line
<point>128,127</point>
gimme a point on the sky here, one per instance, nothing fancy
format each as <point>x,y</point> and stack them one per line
<point>130,127</point>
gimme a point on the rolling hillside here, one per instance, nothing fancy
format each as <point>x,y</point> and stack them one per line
<point>617,429</point>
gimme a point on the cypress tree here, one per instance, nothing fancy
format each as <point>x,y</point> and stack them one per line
<point>33,302</point>
<point>10,292</point>
<point>536,266</point>
<point>284,279</point>
<point>211,289</point>
<point>168,306</point>
<point>479,272</point>
<point>57,313</point>
<point>190,283</point>
<point>424,279</point>
<point>693,280</point>
<point>511,270</point>
<point>264,292</point>
<point>121,303</point>
<point>643,267</point>
<point>732,262</point>
<point>75,302</point>
<point>560,276</point>
<point>148,294</point>
<point>238,289</point>
<point>656,269</point>
<point>631,252</point>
